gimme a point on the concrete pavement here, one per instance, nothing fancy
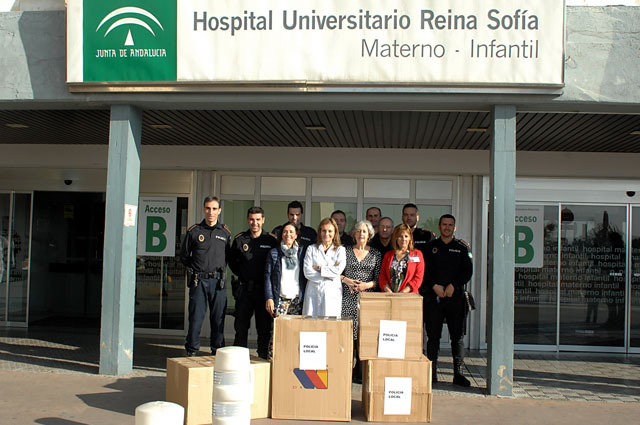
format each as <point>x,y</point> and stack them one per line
<point>74,399</point>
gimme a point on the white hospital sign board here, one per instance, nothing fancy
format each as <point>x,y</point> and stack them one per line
<point>425,42</point>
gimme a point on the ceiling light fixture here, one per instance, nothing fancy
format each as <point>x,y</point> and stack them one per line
<point>313,127</point>
<point>161,126</point>
<point>17,125</point>
<point>477,129</point>
<point>635,133</point>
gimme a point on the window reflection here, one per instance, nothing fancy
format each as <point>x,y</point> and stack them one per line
<point>160,283</point>
<point>635,280</point>
<point>592,276</point>
<point>536,290</point>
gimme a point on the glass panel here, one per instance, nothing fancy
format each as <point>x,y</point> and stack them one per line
<point>19,272</point>
<point>393,211</point>
<point>592,275</point>
<point>160,283</point>
<point>4,252</point>
<point>387,189</point>
<point>235,217</point>
<point>283,186</point>
<point>174,276</point>
<point>635,280</point>
<point>434,189</point>
<point>275,213</point>
<point>430,216</point>
<point>320,210</point>
<point>536,290</point>
<point>66,259</point>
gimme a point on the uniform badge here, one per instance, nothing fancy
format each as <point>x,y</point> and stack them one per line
<point>434,250</point>
<point>245,247</point>
<point>201,238</point>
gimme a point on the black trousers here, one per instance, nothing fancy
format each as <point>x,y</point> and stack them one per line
<point>206,294</point>
<point>434,313</point>
<point>250,303</point>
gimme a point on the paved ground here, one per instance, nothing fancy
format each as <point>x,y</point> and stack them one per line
<point>50,377</point>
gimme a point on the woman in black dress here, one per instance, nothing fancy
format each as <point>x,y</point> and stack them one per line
<point>360,275</point>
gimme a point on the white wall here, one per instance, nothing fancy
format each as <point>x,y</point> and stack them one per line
<point>31,5</point>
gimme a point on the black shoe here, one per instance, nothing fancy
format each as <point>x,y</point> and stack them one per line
<point>191,353</point>
<point>460,380</point>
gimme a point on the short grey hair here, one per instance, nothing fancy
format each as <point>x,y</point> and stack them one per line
<point>363,223</point>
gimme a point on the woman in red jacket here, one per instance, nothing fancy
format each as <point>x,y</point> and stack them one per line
<point>403,268</point>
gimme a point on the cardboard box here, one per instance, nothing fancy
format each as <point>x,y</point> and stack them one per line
<point>373,389</point>
<point>190,384</point>
<point>377,306</point>
<point>312,394</point>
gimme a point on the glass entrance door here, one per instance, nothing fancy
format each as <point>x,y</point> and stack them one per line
<point>15,237</point>
<point>593,275</point>
<point>579,298</point>
<point>634,296</point>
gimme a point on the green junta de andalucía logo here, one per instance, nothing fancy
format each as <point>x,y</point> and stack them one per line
<point>131,40</point>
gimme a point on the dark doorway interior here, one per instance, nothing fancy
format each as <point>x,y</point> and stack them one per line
<point>66,272</point>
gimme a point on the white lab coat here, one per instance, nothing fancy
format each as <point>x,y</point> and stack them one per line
<point>323,294</point>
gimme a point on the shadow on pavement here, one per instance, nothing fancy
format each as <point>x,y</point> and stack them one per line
<point>599,384</point>
<point>130,393</point>
<point>57,421</point>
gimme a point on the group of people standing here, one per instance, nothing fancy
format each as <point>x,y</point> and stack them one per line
<point>296,270</point>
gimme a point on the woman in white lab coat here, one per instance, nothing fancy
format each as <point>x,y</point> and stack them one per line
<point>323,265</point>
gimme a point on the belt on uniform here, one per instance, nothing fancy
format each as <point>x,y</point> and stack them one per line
<point>209,275</point>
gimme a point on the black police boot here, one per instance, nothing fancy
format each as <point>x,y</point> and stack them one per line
<point>458,377</point>
<point>434,372</point>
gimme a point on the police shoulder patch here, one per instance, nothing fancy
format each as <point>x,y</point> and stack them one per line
<point>463,243</point>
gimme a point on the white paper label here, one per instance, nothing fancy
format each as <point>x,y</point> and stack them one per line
<point>313,350</point>
<point>392,339</point>
<point>397,396</point>
<point>130,215</point>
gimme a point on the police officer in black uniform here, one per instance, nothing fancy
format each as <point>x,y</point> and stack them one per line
<point>204,252</point>
<point>306,235</point>
<point>448,268</point>
<point>247,259</point>
<point>421,237</point>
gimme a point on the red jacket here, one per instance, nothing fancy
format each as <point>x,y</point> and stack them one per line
<point>414,274</point>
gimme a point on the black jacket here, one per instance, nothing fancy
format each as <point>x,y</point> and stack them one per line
<point>273,274</point>
<point>445,264</point>
<point>205,249</point>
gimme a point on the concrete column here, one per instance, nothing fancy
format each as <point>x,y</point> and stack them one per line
<point>501,251</point>
<point>120,238</point>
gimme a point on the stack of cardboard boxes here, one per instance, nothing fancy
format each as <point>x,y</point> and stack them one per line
<point>190,384</point>
<point>312,363</point>
<point>396,383</point>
